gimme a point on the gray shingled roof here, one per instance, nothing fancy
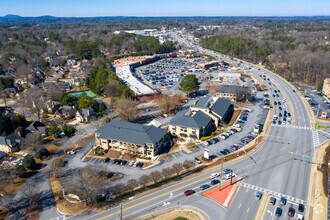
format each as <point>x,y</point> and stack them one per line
<point>125,131</point>
<point>231,89</point>
<point>37,126</point>
<point>220,107</point>
<point>10,140</point>
<point>203,102</point>
<point>198,120</point>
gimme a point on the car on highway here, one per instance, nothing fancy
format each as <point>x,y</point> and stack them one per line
<point>300,217</point>
<point>189,192</point>
<point>227,170</point>
<point>215,181</point>
<point>204,186</point>
<point>272,200</point>
<point>214,175</point>
<point>291,212</point>
<point>258,195</point>
<point>278,212</point>
<point>230,176</point>
<point>283,200</point>
<point>301,207</point>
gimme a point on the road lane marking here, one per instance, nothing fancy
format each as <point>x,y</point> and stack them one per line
<point>248,209</point>
<point>266,206</point>
<point>156,197</point>
<point>239,206</point>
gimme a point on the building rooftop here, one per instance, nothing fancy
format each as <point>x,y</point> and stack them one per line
<point>185,119</point>
<point>232,89</point>
<point>125,131</point>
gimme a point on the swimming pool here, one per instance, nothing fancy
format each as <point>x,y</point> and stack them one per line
<point>87,92</point>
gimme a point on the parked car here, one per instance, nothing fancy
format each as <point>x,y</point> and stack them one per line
<point>230,176</point>
<point>197,160</point>
<point>131,163</point>
<point>283,200</point>
<point>227,170</point>
<point>106,160</point>
<point>189,192</point>
<point>300,217</point>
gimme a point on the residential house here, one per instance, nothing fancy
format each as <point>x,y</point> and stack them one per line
<point>9,143</point>
<point>201,119</point>
<point>51,106</point>
<point>36,127</point>
<point>84,115</point>
<point>136,139</point>
<point>10,92</point>
<point>67,112</point>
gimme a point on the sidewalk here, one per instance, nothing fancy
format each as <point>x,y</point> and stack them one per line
<point>318,186</point>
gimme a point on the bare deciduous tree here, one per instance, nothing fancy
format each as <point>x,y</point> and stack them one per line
<point>167,172</point>
<point>177,168</point>
<point>169,102</point>
<point>156,176</point>
<point>132,184</point>
<point>144,180</point>
<point>188,164</point>
<point>126,109</point>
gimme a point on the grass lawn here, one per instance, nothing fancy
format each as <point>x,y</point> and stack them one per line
<point>319,126</point>
<point>236,113</point>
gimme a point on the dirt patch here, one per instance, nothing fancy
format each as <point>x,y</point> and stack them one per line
<point>112,154</point>
<point>13,187</point>
<point>3,213</point>
<point>172,215</point>
<point>128,157</point>
<point>164,157</point>
<point>52,148</point>
<point>33,215</point>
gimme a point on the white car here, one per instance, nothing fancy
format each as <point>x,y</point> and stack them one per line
<point>223,137</point>
<point>300,217</point>
<point>214,175</point>
<point>237,125</point>
<point>230,175</point>
<point>205,143</point>
<point>71,152</point>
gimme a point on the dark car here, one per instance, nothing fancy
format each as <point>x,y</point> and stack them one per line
<point>189,192</point>
<point>301,207</point>
<point>258,195</point>
<point>110,174</point>
<point>275,103</point>
<point>283,200</point>
<point>272,200</point>
<point>215,181</point>
<point>291,212</point>
<point>280,108</point>
<point>205,186</point>
<point>277,95</point>
<point>226,171</point>
<point>274,122</point>
<point>123,162</point>
<point>278,212</point>
<point>106,160</point>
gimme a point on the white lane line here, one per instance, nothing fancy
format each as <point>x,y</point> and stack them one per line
<point>248,209</point>
<point>239,206</point>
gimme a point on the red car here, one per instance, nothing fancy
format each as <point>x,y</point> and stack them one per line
<point>291,212</point>
<point>189,192</point>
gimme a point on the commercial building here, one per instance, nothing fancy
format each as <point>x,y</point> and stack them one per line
<point>233,92</point>
<point>201,119</point>
<point>326,87</point>
<point>135,139</point>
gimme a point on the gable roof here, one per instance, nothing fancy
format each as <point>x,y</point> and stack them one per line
<point>220,107</point>
<point>125,131</point>
<point>37,126</point>
<point>10,140</point>
<point>184,119</point>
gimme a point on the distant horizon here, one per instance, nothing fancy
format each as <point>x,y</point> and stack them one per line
<point>168,16</point>
<point>165,8</point>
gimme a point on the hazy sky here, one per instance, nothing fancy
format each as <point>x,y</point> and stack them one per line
<point>90,8</point>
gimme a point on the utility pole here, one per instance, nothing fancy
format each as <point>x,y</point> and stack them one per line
<point>231,177</point>
<point>121,211</point>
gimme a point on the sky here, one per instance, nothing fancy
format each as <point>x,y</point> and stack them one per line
<point>92,8</point>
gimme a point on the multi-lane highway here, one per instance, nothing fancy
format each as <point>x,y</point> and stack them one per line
<point>274,171</point>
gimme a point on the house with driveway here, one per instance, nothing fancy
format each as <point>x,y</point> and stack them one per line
<point>202,118</point>
<point>135,139</point>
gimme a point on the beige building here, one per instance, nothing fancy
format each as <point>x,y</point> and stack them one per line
<point>232,92</point>
<point>326,87</point>
<point>135,139</point>
<point>201,119</point>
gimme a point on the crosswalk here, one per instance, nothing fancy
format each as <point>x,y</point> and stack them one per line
<point>293,126</point>
<point>316,139</point>
<point>290,199</point>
